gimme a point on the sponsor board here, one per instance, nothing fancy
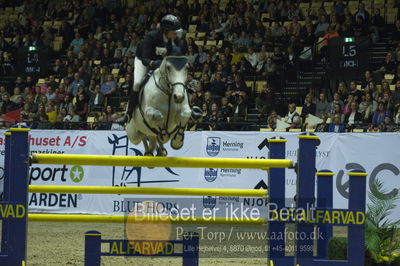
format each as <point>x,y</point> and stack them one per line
<point>213,146</point>
<point>339,153</point>
<point>210,174</point>
<point>74,173</point>
<point>232,145</point>
<point>209,202</point>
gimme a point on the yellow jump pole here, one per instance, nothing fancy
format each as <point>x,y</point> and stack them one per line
<point>147,161</point>
<point>78,218</point>
<point>150,191</point>
<point>83,218</point>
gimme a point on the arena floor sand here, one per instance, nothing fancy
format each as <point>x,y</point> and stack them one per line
<point>63,244</point>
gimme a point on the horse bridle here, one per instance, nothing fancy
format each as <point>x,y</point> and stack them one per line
<point>170,85</point>
<point>168,92</point>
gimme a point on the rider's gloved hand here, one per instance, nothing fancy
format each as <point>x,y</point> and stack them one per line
<point>156,63</point>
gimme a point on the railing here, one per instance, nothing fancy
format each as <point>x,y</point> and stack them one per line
<point>200,126</point>
<point>314,53</point>
<point>108,125</point>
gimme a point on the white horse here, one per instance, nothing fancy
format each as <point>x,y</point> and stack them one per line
<point>163,110</point>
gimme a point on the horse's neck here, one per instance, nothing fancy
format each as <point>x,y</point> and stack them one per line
<point>155,91</point>
<point>175,109</point>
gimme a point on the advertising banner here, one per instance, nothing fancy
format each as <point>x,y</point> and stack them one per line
<point>377,154</point>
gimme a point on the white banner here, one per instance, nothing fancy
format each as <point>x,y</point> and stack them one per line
<point>378,154</point>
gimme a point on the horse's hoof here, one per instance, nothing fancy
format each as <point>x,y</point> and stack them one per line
<point>179,137</point>
<point>176,143</point>
<point>162,152</point>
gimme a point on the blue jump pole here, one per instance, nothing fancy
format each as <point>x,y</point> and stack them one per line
<point>357,201</point>
<point>305,194</point>
<point>6,193</point>
<point>92,248</point>
<point>324,201</point>
<point>355,239</point>
<point>16,192</point>
<point>190,246</point>
<point>276,194</point>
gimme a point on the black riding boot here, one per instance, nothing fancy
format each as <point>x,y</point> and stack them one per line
<point>132,103</point>
<point>196,113</point>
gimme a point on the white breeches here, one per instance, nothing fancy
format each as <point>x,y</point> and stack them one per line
<point>139,72</point>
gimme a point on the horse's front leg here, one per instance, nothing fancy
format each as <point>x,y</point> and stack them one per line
<point>161,151</point>
<point>156,120</point>
<point>153,144</point>
<point>153,116</point>
<point>178,138</point>
<point>132,132</point>
<point>182,116</point>
<point>147,150</point>
<point>182,119</point>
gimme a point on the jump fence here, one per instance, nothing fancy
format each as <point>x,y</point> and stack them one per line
<point>15,205</point>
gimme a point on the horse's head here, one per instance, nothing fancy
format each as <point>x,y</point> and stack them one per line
<point>174,71</point>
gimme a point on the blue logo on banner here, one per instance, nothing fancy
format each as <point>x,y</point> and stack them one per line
<point>213,146</point>
<point>210,174</point>
<point>209,202</point>
<point>128,176</point>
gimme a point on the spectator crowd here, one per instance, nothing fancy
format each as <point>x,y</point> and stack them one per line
<point>90,75</point>
<point>370,109</point>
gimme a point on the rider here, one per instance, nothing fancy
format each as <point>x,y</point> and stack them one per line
<point>149,55</point>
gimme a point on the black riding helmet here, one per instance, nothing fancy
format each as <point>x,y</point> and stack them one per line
<point>170,23</point>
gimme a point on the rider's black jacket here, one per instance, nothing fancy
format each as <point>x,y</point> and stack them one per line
<point>146,50</point>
